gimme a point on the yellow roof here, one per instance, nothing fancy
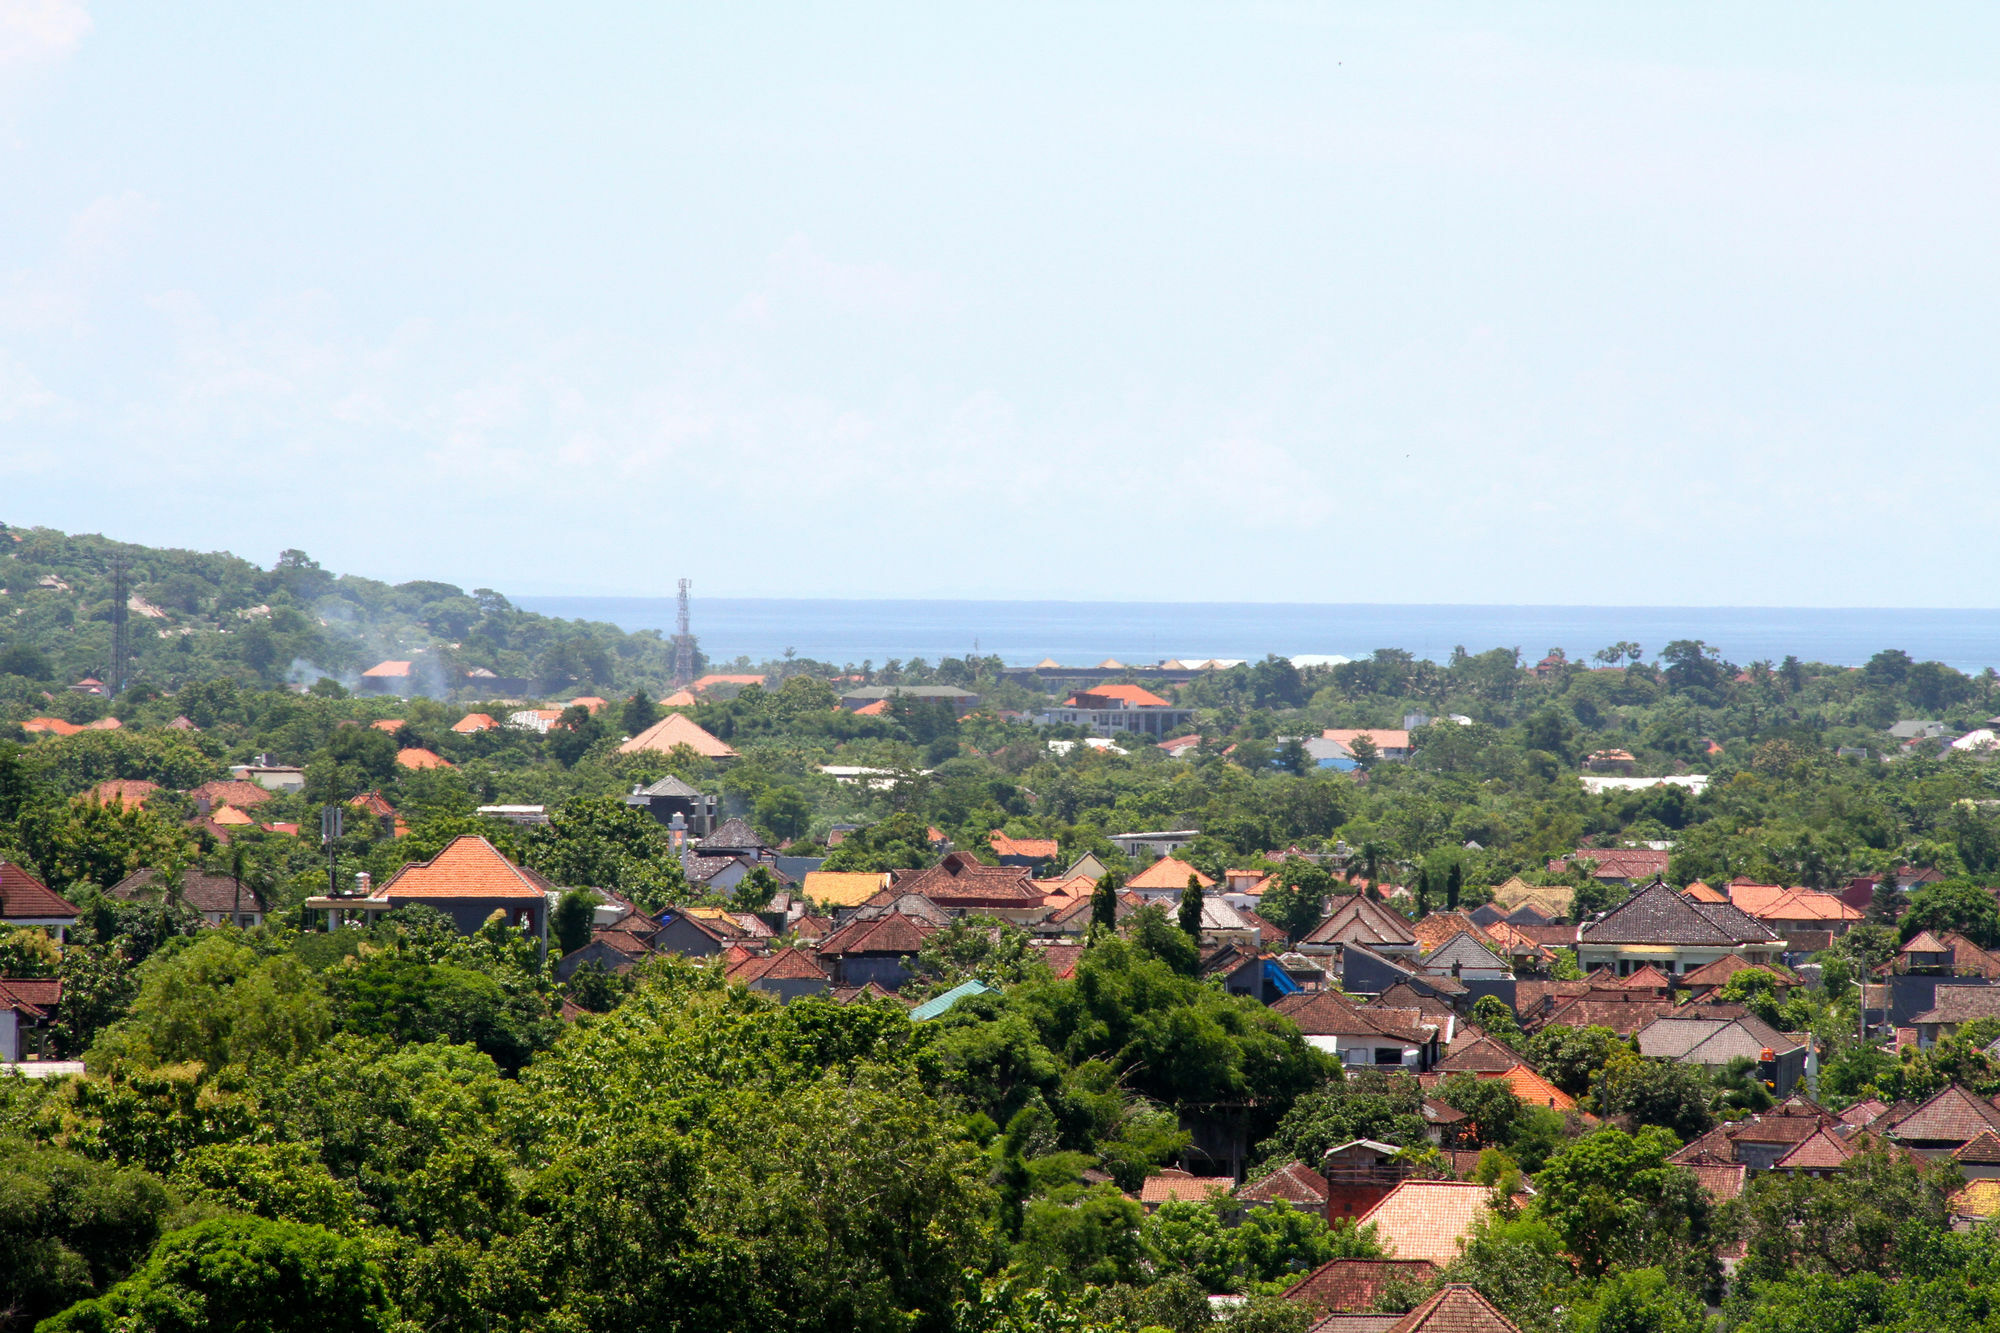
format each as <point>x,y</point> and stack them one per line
<point>844,888</point>
<point>1552,898</point>
<point>1981,1198</point>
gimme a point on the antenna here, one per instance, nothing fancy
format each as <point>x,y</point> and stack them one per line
<point>683,643</point>
<point>120,595</point>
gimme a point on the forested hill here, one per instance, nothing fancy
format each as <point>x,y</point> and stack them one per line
<point>197,616</point>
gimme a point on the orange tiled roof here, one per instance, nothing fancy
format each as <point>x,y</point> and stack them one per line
<point>712,680</point>
<point>880,708</point>
<point>422,759</point>
<point>1168,873</point>
<point>1456,1308</point>
<point>1534,1090</point>
<point>675,729</point>
<point>1426,1219</point>
<point>1173,1186</point>
<point>472,722</point>
<point>1042,849</point>
<point>231,791</point>
<point>679,699</point>
<point>388,724</point>
<point>53,726</point>
<point>129,792</point>
<point>469,867</point>
<point>390,670</point>
<point>1385,738</point>
<point>229,816</point>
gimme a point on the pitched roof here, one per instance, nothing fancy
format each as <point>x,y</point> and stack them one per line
<point>1821,1152</point>
<point>468,867</point>
<point>781,965</point>
<point>231,791</point>
<point>1341,1285</point>
<point>1534,1090</point>
<point>843,888</point>
<point>472,722</point>
<point>418,758</point>
<point>1984,1149</point>
<point>1131,696</point>
<point>1980,1199</point>
<point>1361,920</point>
<point>960,880</point>
<point>1961,1004</point>
<point>1456,1308</point>
<point>1426,1219</point>
<point>1616,862</point>
<point>199,889</point>
<point>733,834</point>
<point>23,897</point>
<point>1699,892</point>
<point>1722,1183</point>
<point>1294,1182</point>
<point>390,670</point>
<point>1804,905</point>
<point>1041,849</point>
<point>1624,1012</point>
<point>1553,899</point>
<point>1924,942</point>
<point>892,933</point>
<point>1657,914</point>
<point>1484,1055</point>
<point>673,730</point>
<point>1951,1115</point>
<point>1439,928</point>
<point>1172,1186</point>
<point>1463,951</point>
<point>1168,873</point>
<point>31,997</point>
<point>1864,1113</point>
<point>129,792</point>
<point>1330,1014</point>
<point>1385,738</point>
<point>1727,966</point>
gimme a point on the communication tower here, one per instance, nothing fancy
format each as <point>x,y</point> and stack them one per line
<point>683,644</point>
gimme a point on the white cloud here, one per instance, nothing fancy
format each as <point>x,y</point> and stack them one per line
<point>40,32</point>
<point>56,294</point>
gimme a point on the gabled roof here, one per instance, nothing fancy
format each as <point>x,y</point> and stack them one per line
<point>129,792</point>
<point>1172,1186</point>
<point>959,879</point>
<point>670,786</point>
<point>1864,1113</point>
<point>1168,873</point>
<point>472,722</point>
<point>1924,942</point>
<point>1426,1219</point>
<point>892,933</point>
<point>1722,969</point>
<point>31,997</point>
<point>1463,951</point>
<point>25,898</point>
<point>1552,899</point>
<point>418,758</point>
<point>1330,1014</point>
<point>1482,1056</point>
<point>781,965</point>
<point>199,889</point>
<point>1616,862</point>
<point>1131,696</point>
<point>390,670</point>
<point>1440,928</point>
<point>1456,1308</point>
<point>468,867</point>
<point>1534,1090</point>
<point>1804,905</point>
<point>1821,1152</point>
<point>1294,1182</point>
<point>1951,1115</point>
<point>676,729</point>
<point>1983,1150</point>
<point>1361,920</point>
<point>1656,914</point>
<point>1342,1285</point>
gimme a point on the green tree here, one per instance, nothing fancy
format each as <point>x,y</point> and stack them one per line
<point>1968,909</point>
<point>1104,904</point>
<point>1519,1265</point>
<point>1617,1202</point>
<point>1643,1300</point>
<point>239,1273</point>
<point>784,813</point>
<point>1295,897</point>
<point>1190,913</point>
<point>69,1227</point>
<point>1496,1017</point>
<point>1850,1222</point>
<point>639,713</point>
<point>572,921</point>
<point>218,1002</point>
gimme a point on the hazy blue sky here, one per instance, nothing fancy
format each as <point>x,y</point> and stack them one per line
<point>1481,303</point>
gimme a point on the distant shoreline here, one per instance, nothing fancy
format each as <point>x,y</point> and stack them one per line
<point>1021,633</point>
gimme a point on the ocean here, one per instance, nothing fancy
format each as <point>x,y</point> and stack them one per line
<point>1144,633</point>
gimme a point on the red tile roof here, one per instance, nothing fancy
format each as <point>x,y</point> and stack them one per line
<point>1821,1152</point>
<point>23,897</point>
<point>472,722</point>
<point>231,791</point>
<point>1426,1219</point>
<point>1172,1186</point>
<point>391,670</point>
<point>129,792</point>
<point>1343,1285</point>
<point>1294,1182</point>
<point>892,933</point>
<point>1985,1150</point>
<point>1953,1115</point>
<point>53,726</point>
<point>1168,873</point>
<point>415,758</point>
<point>469,867</point>
<point>1456,1308</point>
<point>961,880</point>
<point>388,724</point>
<point>1041,849</point>
<point>1722,1183</point>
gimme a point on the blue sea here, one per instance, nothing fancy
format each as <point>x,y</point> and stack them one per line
<point>1145,633</point>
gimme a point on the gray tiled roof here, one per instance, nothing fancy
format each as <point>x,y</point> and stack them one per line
<point>1658,914</point>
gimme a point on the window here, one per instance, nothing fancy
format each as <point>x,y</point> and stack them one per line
<point>1354,1056</point>
<point>1388,1055</point>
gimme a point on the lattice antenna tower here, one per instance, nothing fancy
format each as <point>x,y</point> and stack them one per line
<point>683,643</point>
<point>120,595</point>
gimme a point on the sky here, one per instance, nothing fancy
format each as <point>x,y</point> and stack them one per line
<point>1562,304</point>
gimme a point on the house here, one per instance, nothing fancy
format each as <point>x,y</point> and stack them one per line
<point>1361,920</point>
<point>391,677</point>
<point>219,898</point>
<point>874,950</point>
<point>616,951</point>
<point>693,937</point>
<point>468,882</point>
<point>1360,1174</point>
<point>669,797</point>
<point>1952,1006</point>
<point>1658,926</point>
<point>1173,1186</point>
<point>1390,743</point>
<point>958,883</point>
<point>417,759</point>
<point>1705,981</point>
<point>1031,852</point>
<point>1180,746</point>
<point>1293,1182</point>
<point>1428,1219</point>
<point>866,696</point>
<point>243,795</point>
<point>1796,912</point>
<point>271,776</point>
<point>1352,1286</point>
<point>26,901</point>
<point>1166,880</point>
<point>1113,710</point>
<point>28,1008</point>
<point>1464,958</point>
<point>1712,1042</point>
<point>1616,865</point>
<point>473,723</point>
<point>1362,1038</point>
<point>1942,1124</point>
<point>1159,843</point>
<point>1610,761</point>
<point>1550,901</point>
<point>789,974</point>
<point>1979,1159</point>
<point>1758,1142</point>
<point>673,731</point>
